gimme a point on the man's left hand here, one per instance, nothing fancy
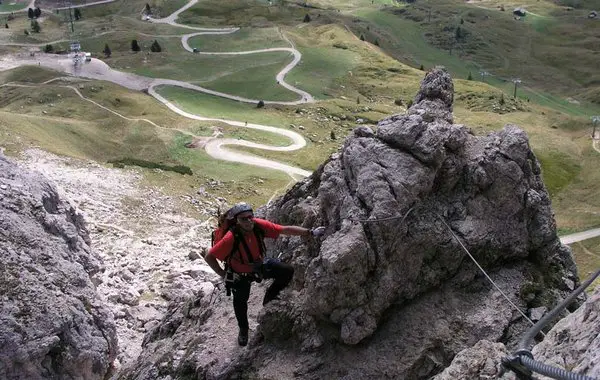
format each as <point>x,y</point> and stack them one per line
<point>316,232</point>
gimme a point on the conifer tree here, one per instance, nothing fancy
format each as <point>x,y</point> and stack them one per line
<point>107,52</point>
<point>155,47</point>
<point>135,46</point>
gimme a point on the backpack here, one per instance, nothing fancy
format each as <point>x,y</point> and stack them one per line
<point>239,243</point>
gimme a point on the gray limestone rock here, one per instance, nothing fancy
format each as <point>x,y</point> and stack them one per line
<point>52,324</point>
<point>572,345</point>
<point>574,342</point>
<point>391,290</point>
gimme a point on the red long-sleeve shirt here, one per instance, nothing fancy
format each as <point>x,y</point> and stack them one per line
<point>239,260</point>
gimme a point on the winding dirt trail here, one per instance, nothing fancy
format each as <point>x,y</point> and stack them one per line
<point>215,147</point>
<point>580,236</point>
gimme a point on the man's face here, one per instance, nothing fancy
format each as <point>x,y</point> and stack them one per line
<point>246,221</point>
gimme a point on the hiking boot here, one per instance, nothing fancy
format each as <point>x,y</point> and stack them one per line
<point>243,337</point>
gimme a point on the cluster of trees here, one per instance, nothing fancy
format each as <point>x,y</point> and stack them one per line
<point>155,47</point>
<point>135,46</point>
<point>34,13</point>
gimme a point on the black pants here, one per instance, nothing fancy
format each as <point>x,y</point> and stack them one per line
<point>281,272</point>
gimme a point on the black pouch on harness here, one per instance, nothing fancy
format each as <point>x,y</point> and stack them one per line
<point>229,281</point>
<point>257,272</point>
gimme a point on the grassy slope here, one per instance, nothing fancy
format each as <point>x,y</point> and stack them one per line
<point>54,118</point>
<point>354,79</point>
<point>242,40</point>
<point>587,257</point>
<point>552,51</point>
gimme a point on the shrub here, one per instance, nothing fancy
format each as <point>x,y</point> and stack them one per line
<point>399,102</point>
<point>35,26</point>
<point>128,161</point>
<point>107,52</point>
<point>306,18</point>
<point>155,47</point>
<point>260,104</point>
<point>48,49</point>
<point>135,46</point>
<point>409,103</point>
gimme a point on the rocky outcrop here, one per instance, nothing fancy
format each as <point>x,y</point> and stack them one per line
<point>572,345</point>
<point>574,342</point>
<point>392,291</point>
<point>52,324</point>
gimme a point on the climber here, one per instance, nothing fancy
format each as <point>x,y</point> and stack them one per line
<point>239,243</point>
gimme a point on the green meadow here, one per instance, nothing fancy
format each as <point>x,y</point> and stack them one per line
<point>360,59</point>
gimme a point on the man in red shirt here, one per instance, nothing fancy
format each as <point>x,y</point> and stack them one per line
<point>247,260</point>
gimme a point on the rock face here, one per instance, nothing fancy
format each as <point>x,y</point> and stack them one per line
<point>52,325</point>
<point>572,344</point>
<point>390,291</point>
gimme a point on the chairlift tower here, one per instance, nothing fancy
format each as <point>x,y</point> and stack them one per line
<point>74,46</point>
<point>483,75</point>
<point>595,122</point>
<point>516,81</point>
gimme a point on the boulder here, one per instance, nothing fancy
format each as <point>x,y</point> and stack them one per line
<point>52,324</point>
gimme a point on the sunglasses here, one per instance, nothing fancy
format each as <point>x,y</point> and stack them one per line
<point>245,218</point>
